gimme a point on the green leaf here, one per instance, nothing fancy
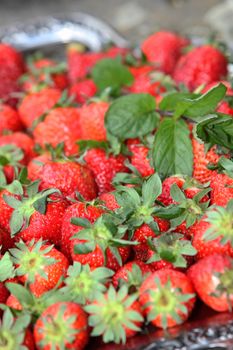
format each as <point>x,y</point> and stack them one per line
<point>80,222</point>
<point>172,150</point>
<point>131,116</point>
<point>6,268</point>
<point>172,100</point>
<point>21,293</point>
<point>40,205</point>
<point>216,129</point>
<point>111,73</point>
<point>84,145</point>
<point>151,189</point>
<point>16,222</point>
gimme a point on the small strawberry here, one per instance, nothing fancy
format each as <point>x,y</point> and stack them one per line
<point>109,200</point>
<point>39,265</point>
<point>92,121</point>
<point>81,210</point>
<point>163,49</point>
<point>62,325</point>
<point>104,167</point>
<point>115,316</point>
<point>212,279</point>
<point>82,283</point>
<point>11,68</point>
<point>168,298</point>
<point>61,124</point>
<point>139,157</point>
<point>83,90</point>
<point>36,104</point>
<point>132,274</point>
<point>201,65</point>
<point>13,303</point>
<point>9,119</point>
<point>222,190</point>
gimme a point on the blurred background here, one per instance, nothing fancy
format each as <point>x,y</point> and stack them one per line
<point>133,18</point>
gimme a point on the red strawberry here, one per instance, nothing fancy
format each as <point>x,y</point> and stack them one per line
<point>201,65</point>
<point>39,265</point>
<point>80,210</point>
<point>83,90</point>
<point>168,297</point>
<point>131,274</point>
<point>118,314</point>
<point>201,160</point>
<point>6,241</point>
<point>36,104</point>
<point>222,190</point>
<point>4,293</point>
<point>139,158</point>
<point>29,340</point>
<point>104,167</point>
<point>9,119</point>
<point>109,200</point>
<point>212,280</point>
<point>92,121</point>
<point>13,302</point>
<point>61,124</point>
<point>11,68</point>
<point>141,70</point>
<point>164,49</point>
<point>224,106</point>
<point>67,321</point>
<point>35,166</point>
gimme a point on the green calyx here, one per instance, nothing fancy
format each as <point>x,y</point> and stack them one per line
<point>135,277</point>
<point>82,283</point>
<point>57,330</point>
<point>172,248</point>
<point>32,259</point>
<point>112,313</point>
<point>166,301</point>
<point>12,331</point>
<point>221,224</point>
<point>24,207</point>
<point>10,155</point>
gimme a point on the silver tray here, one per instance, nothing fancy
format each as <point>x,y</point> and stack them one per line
<point>205,329</point>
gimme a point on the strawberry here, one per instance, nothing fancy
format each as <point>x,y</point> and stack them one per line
<point>68,177</point>
<point>39,265</point>
<point>9,119</point>
<point>201,65</point>
<point>104,167</point>
<point>138,71</point>
<point>212,280</point>
<point>92,121</point>
<point>163,49</point>
<point>213,234</point>
<point>11,68</point>
<point>82,283</point>
<point>61,124</point>
<point>222,191</point>
<point>62,325</point>
<point>109,200</point>
<point>4,293</point>
<point>115,316</point>
<point>36,104</point>
<point>13,303</point>
<point>201,160</point>
<point>36,215</point>
<point>139,157</point>
<point>167,297</point>
<point>81,210</point>
<point>223,106</point>
<point>83,90</point>
<point>132,274</point>
<point>14,333</point>
<point>6,241</point>
<point>99,244</point>
<point>35,166</point>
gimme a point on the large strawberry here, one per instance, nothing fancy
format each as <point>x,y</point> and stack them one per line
<point>61,124</point>
<point>35,105</point>
<point>168,298</point>
<point>201,65</point>
<point>115,316</point>
<point>83,90</point>
<point>9,119</point>
<point>39,265</point>
<point>213,281</point>
<point>63,325</point>
<point>11,68</point>
<point>222,190</point>
<point>163,49</point>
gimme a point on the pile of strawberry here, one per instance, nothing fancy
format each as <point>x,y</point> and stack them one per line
<point>116,191</point>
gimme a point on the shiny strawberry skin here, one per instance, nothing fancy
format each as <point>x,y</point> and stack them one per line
<point>163,49</point>
<point>139,158</point>
<point>222,191</point>
<point>203,276</point>
<point>202,65</point>
<point>9,119</point>
<point>83,90</point>
<point>92,121</point>
<point>69,177</point>
<point>61,124</point>
<point>35,104</point>
<point>104,167</point>
<point>122,273</point>
<point>79,210</point>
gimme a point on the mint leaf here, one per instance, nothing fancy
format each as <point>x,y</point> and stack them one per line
<point>172,150</point>
<point>216,129</point>
<point>111,73</point>
<point>172,100</point>
<point>131,116</point>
